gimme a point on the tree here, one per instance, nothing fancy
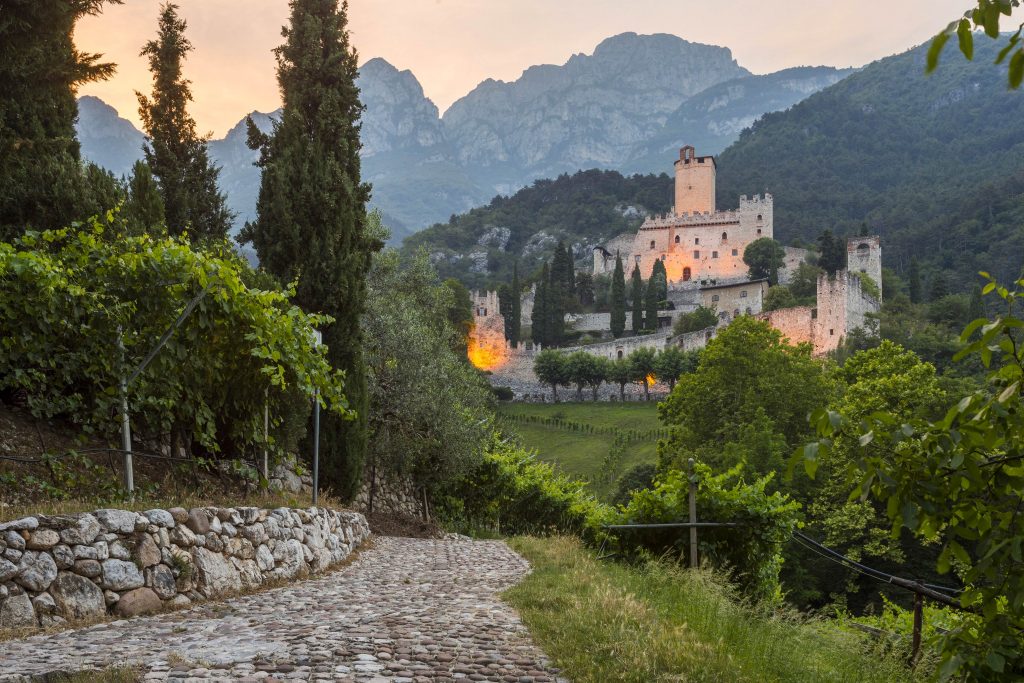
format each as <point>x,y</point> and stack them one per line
<point>541,314</point>
<point>101,191</point>
<point>672,363</point>
<point>958,482</point>
<point>311,213</point>
<point>460,312</point>
<point>642,362</point>
<point>939,288</point>
<point>585,289</point>
<point>585,370</point>
<point>556,301</point>
<point>620,372</point>
<point>41,181</point>
<point>985,15</point>
<point>552,368</point>
<point>699,319</point>
<point>144,210</point>
<point>778,297</point>
<point>914,281</point>
<point>175,152</point>
<point>563,276</point>
<point>651,304</point>
<point>831,252</point>
<point>618,300</point>
<point>599,374</point>
<point>516,306</point>
<point>764,257</point>
<point>636,296</point>
<point>660,276</point>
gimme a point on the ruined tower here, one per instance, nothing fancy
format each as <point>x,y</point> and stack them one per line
<point>695,182</point>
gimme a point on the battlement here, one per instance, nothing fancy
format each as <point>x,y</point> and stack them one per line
<point>757,200</point>
<point>691,219</point>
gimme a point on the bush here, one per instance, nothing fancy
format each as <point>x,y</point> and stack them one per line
<point>700,319</point>
<point>638,478</point>
<point>751,551</point>
<point>504,393</point>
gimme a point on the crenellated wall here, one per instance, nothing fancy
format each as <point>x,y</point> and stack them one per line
<point>60,568</point>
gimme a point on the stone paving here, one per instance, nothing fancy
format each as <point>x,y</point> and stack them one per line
<point>407,610</point>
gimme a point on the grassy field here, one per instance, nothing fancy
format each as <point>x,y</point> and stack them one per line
<point>581,454</point>
<point>604,621</point>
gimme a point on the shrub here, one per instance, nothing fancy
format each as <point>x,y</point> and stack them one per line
<point>504,393</point>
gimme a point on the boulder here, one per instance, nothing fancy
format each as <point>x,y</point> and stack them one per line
<point>36,571</point>
<point>289,558</point>
<point>214,574</point>
<point>23,524</point>
<point>264,558</point>
<point>89,568</point>
<point>77,597</point>
<point>116,521</point>
<point>42,539</point>
<point>180,515</point>
<point>16,611</point>
<point>160,518</point>
<point>198,521</point>
<point>178,602</point>
<point>119,575</point>
<point>44,604</point>
<point>63,556</point>
<point>136,602</point>
<point>7,569</point>
<point>161,579</point>
<point>84,531</point>
<point>181,535</point>
<point>118,551</point>
<point>146,553</point>
<point>14,540</point>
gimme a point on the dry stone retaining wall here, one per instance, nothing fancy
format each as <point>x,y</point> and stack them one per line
<point>60,568</point>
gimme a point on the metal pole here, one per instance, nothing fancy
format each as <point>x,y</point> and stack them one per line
<point>915,647</point>
<point>693,518</point>
<point>126,427</point>
<point>266,434</point>
<point>316,447</point>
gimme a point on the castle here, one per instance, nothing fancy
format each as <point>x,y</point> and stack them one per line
<point>702,250</point>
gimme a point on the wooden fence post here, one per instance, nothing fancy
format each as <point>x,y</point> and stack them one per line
<point>693,518</point>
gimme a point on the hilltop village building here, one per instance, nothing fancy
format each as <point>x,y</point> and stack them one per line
<point>702,250</point>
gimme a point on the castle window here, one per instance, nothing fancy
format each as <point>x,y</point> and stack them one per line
<point>696,240</point>
<point>748,310</point>
<point>652,244</point>
<point>760,218</point>
<point>831,332</point>
<point>714,297</point>
<point>677,239</point>
<point>736,313</point>
<point>759,231</point>
<point>735,252</point>
<point>696,254</point>
<point>687,274</point>
<point>743,294</point>
<point>862,249</point>
<point>714,254</point>
<point>619,354</point>
<point>725,236</point>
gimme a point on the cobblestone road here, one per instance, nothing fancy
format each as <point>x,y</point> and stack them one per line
<point>405,610</point>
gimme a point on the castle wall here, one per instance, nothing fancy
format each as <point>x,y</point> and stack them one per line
<point>794,257</point>
<point>695,182</point>
<point>795,324</point>
<point>734,300</point>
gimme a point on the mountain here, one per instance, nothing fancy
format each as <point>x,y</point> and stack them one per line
<point>615,109</point>
<point>931,163</point>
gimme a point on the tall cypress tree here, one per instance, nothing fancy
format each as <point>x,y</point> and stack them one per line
<point>541,313</point>
<point>636,296</point>
<point>515,326</point>
<point>651,304</point>
<point>660,275</point>
<point>914,281</point>
<point>556,307</point>
<point>570,280</point>
<point>175,152</point>
<point>311,213</point>
<point>144,210</point>
<point>42,183</point>
<point>618,300</point>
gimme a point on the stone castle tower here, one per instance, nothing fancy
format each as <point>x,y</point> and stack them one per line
<point>695,182</point>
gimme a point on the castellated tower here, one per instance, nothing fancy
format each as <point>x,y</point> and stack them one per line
<point>695,182</point>
<point>864,255</point>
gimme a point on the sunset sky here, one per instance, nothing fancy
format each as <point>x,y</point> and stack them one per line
<point>451,45</point>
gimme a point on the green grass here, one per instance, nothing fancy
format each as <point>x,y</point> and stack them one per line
<point>580,454</point>
<point>603,622</point>
<point>118,674</point>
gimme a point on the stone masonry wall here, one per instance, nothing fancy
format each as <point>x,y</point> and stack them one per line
<point>60,568</point>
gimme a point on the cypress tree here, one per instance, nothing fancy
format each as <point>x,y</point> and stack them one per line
<point>517,308</point>
<point>914,281</point>
<point>311,212</point>
<point>660,275</point>
<point>175,152</point>
<point>539,328</point>
<point>42,184</point>
<point>618,300</point>
<point>651,304</point>
<point>831,252</point>
<point>570,280</point>
<point>556,308</point>
<point>101,191</point>
<point>940,287</point>
<point>144,209</point>
<point>636,295</point>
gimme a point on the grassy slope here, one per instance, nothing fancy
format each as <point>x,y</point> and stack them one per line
<point>610,622</point>
<point>579,454</point>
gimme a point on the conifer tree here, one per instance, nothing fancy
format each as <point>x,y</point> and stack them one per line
<point>914,281</point>
<point>555,326</point>
<point>175,152</point>
<point>42,184</point>
<point>940,287</point>
<point>659,273</point>
<point>636,295</point>
<point>831,252</point>
<point>618,300</point>
<point>541,314</point>
<point>311,213</point>
<point>144,209</point>
<point>517,308</point>
<point>570,280</point>
<point>651,304</point>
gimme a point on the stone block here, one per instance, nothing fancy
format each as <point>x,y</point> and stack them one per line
<point>14,540</point>
<point>42,539</point>
<point>23,524</point>
<point>63,556</point>
<point>146,553</point>
<point>88,568</point>
<point>116,521</point>
<point>16,611</point>
<point>214,574</point>
<point>136,602</point>
<point>77,597</point>
<point>119,575</point>
<point>84,530</point>
<point>198,521</point>
<point>160,518</point>
<point>36,571</point>
<point>161,579</point>
<point>179,515</point>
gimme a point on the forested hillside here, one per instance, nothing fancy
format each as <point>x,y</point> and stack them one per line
<point>583,209</point>
<point>932,163</point>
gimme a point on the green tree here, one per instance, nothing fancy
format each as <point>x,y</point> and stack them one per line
<point>311,213</point>
<point>673,363</point>
<point>552,368</point>
<point>541,314</point>
<point>778,297</point>
<point>620,372</point>
<point>764,257</point>
<point>914,281</point>
<point>41,181</point>
<point>939,288</point>
<point>516,306</point>
<point>642,361</point>
<point>585,289</point>
<point>175,152</point>
<point>699,319</point>
<point>618,300</point>
<point>660,276</point>
<point>984,15</point>
<point>636,296</point>
<point>460,312</point>
<point>651,304</point>
<point>144,210</point>
<point>585,370</point>
<point>831,252</point>
<point>101,191</point>
<point>556,301</point>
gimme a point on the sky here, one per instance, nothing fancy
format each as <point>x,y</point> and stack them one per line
<point>452,45</point>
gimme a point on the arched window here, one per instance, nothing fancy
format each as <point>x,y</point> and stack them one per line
<point>619,354</point>
<point>748,310</point>
<point>725,236</point>
<point>687,274</point>
<point>736,313</point>
<point>760,218</point>
<point>677,239</point>
<point>862,249</point>
<point>652,244</point>
<point>759,231</point>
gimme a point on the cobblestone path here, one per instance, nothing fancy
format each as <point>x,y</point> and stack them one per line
<point>405,610</point>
